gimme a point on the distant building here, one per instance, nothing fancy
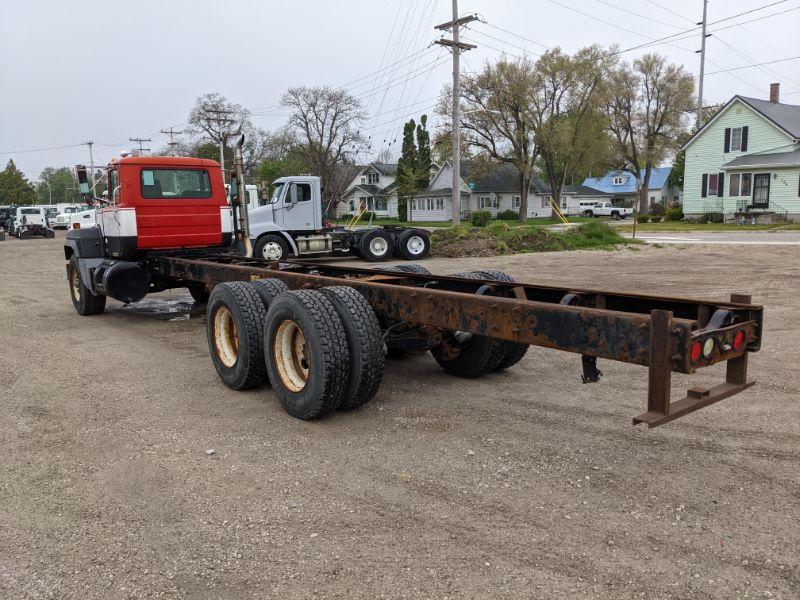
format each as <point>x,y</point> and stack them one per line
<point>745,162</point>
<point>373,188</point>
<point>620,186</point>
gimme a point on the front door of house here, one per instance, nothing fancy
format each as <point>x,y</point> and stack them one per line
<point>761,190</point>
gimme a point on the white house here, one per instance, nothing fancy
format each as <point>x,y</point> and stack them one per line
<point>373,188</point>
<point>495,191</point>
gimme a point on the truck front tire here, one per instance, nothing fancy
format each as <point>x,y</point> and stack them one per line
<point>271,247</point>
<point>83,300</point>
<point>414,244</point>
<point>306,353</point>
<point>235,328</point>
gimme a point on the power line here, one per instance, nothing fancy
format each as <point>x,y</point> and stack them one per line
<point>42,149</point>
<point>669,10</point>
<point>641,16</point>
<point>522,37</point>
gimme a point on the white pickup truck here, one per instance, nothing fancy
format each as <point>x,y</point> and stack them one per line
<point>608,209</point>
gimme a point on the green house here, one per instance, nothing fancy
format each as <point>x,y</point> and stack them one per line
<point>745,162</point>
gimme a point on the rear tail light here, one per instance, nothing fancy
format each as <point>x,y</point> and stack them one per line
<point>697,349</point>
<point>738,340</point>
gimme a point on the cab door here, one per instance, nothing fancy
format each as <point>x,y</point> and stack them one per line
<point>299,207</point>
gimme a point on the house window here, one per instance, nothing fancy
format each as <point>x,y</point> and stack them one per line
<point>736,139</point>
<point>545,201</point>
<point>381,204</point>
<point>733,184</point>
<point>373,178</point>
<point>619,180</point>
<point>352,205</point>
<point>440,204</point>
<point>747,184</point>
<point>516,202</point>
<point>363,180</point>
<point>712,184</point>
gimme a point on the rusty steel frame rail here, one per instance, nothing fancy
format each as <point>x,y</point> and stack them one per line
<point>653,331</point>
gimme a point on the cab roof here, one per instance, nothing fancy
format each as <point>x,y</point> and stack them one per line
<point>165,161</point>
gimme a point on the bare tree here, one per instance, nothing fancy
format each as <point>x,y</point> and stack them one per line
<point>648,106</point>
<point>495,116</point>
<point>326,123</point>
<point>566,112</point>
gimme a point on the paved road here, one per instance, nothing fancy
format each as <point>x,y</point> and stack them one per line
<point>739,238</point>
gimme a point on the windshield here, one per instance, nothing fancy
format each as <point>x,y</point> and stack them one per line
<point>276,193</point>
<point>72,209</point>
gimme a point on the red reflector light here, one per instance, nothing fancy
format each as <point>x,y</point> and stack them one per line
<point>738,340</point>
<point>697,350</point>
<point>76,225</point>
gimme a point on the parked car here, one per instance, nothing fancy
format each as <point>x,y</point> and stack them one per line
<point>29,221</point>
<point>62,220</point>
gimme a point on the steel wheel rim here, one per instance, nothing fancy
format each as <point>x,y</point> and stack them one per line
<point>415,245</point>
<point>291,356</point>
<point>378,246</point>
<point>272,251</point>
<point>75,284</point>
<point>226,338</point>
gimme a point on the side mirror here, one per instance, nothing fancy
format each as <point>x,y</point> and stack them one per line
<point>292,194</point>
<point>83,182</point>
<point>234,190</point>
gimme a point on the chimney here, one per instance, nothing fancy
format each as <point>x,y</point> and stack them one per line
<point>775,92</point>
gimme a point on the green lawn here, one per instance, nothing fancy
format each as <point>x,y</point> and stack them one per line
<point>537,221</point>
<point>688,226</point>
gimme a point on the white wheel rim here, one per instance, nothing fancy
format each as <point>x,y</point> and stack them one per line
<point>415,245</point>
<point>226,339</point>
<point>291,356</point>
<point>378,246</point>
<point>272,251</point>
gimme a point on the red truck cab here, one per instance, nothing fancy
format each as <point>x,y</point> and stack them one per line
<point>164,202</point>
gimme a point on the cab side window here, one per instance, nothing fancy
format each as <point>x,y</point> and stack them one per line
<point>113,184</point>
<point>303,192</point>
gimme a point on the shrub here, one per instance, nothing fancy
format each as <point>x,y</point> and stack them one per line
<point>643,218</point>
<point>481,218</point>
<point>675,214</point>
<point>654,219</point>
<point>714,217</point>
<point>508,215</point>
<point>657,209</point>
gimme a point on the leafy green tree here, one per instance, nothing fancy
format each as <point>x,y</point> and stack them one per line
<point>423,159</point>
<point>678,167</point>
<point>56,185</point>
<point>406,171</point>
<point>291,163</point>
<point>15,187</point>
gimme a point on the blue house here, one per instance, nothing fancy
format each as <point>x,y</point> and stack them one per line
<point>621,185</point>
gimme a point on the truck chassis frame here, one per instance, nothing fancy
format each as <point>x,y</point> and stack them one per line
<point>661,333</point>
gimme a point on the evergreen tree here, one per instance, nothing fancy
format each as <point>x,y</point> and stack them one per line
<point>423,163</point>
<point>406,171</point>
<point>14,186</point>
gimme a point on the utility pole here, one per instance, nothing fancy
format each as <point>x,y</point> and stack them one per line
<point>456,46</point>
<point>139,141</point>
<point>224,121</point>
<point>90,143</point>
<point>702,52</point>
<point>172,143</point>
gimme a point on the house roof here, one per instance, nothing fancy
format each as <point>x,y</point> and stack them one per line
<point>583,190</point>
<point>367,188</point>
<point>384,168</point>
<point>658,177</point>
<point>502,178</point>
<point>785,117</point>
<point>778,159</point>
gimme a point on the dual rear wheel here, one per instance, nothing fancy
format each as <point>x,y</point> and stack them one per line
<point>319,349</point>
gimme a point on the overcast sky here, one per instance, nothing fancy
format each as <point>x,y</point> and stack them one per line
<point>110,70</point>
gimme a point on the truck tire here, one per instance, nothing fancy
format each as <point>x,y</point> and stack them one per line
<point>588,213</point>
<point>364,341</point>
<point>83,300</point>
<point>234,327</point>
<point>513,352</point>
<point>465,354</point>
<point>269,289</point>
<point>416,269</point>
<point>271,247</point>
<point>376,245</point>
<point>615,215</point>
<point>413,244</point>
<point>306,353</point>
<point>199,293</point>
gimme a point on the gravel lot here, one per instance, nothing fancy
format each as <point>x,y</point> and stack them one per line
<point>525,484</point>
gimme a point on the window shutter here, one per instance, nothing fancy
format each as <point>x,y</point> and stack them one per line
<point>727,139</point>
<point>744,138</point>
<point>720,184</point>
<point>704,186</point>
